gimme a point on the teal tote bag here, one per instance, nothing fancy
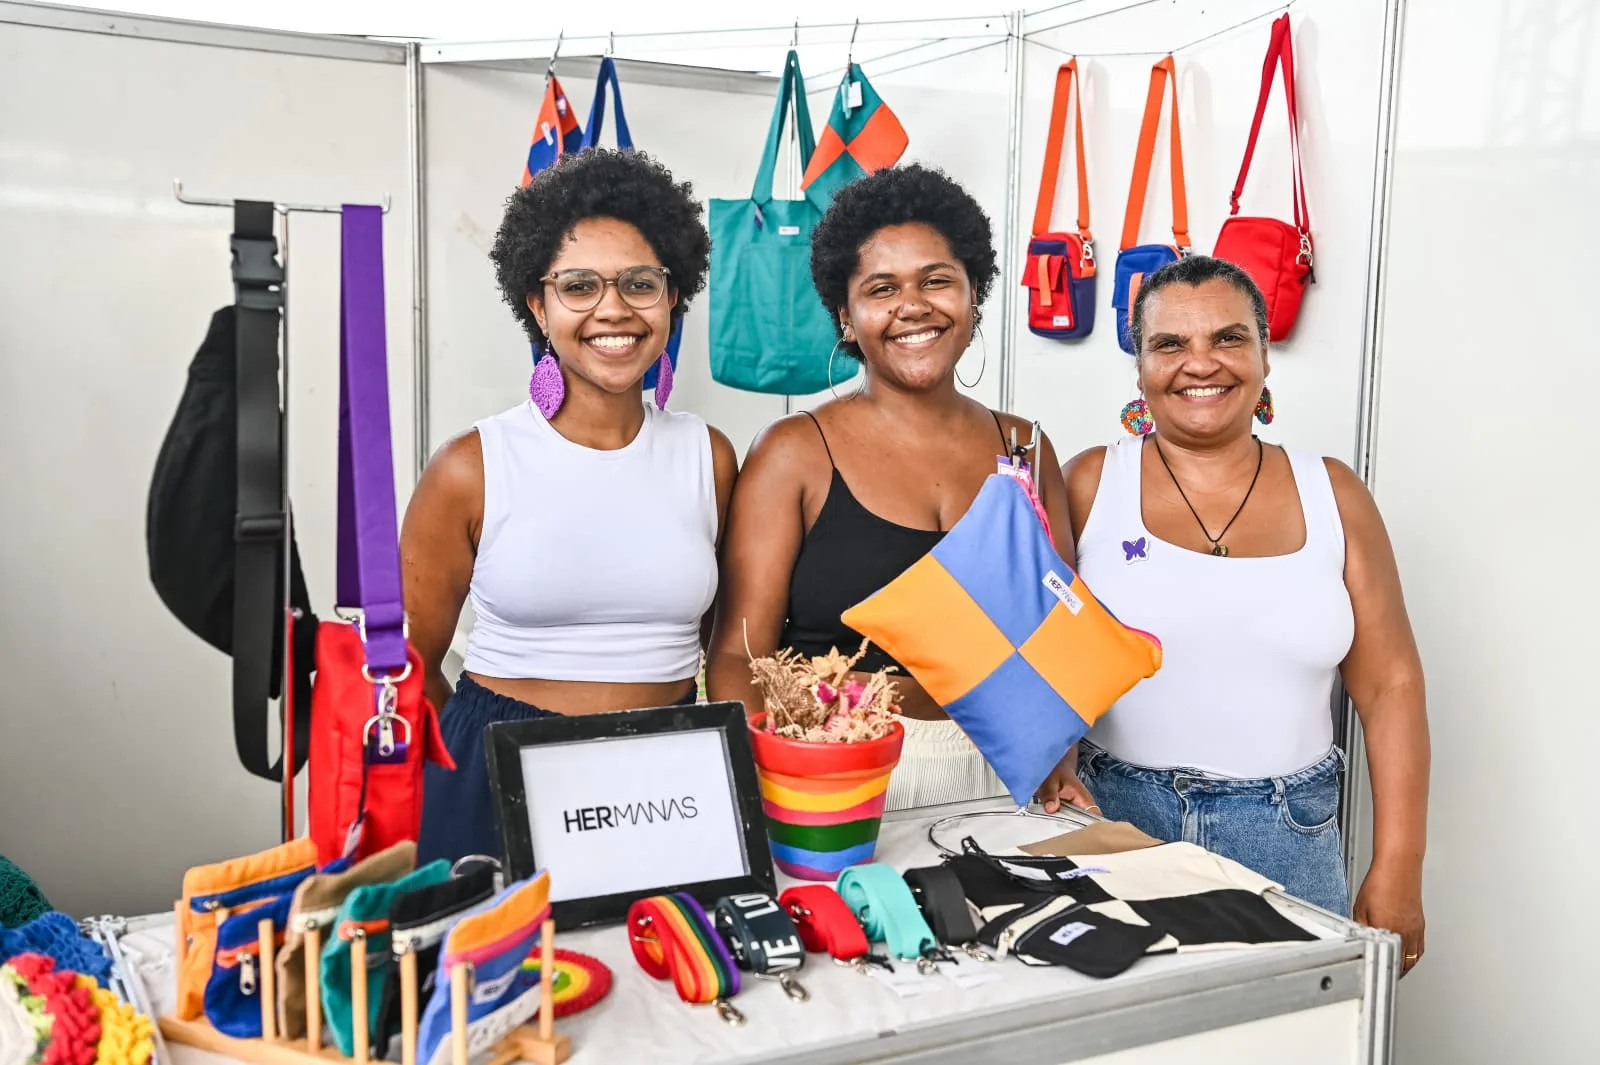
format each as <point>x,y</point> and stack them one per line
<point>769,331</point>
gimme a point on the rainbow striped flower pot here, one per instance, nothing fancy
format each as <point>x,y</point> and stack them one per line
<point>823,801</point>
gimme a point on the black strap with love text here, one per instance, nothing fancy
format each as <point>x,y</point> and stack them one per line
<point>762,938</point>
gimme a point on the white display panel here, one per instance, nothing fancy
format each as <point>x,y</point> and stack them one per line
<point>627,814</point>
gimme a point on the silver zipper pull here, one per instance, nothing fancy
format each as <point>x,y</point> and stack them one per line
<point>247,974</point>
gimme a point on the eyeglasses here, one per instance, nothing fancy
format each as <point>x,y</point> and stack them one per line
<point>641,287</point>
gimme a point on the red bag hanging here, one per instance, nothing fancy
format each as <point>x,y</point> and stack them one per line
<point>1275,254</point>
<point>371,724</point>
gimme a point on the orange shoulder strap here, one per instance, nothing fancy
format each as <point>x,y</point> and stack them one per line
<point>1065,77</point>
<point>1146,155</point>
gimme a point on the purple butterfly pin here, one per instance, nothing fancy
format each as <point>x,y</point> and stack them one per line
<point>1135,550</point>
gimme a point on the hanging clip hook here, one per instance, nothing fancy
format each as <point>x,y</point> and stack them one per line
<point>555,53</point>
<point>794,41</point>
<point>611,44</point>
<point>850,52</point>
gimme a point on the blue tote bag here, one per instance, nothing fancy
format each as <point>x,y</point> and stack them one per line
<point>769,330</point>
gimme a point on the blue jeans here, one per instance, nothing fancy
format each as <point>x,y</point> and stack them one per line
<point>1285,828</point>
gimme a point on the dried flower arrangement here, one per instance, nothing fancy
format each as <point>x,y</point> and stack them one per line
<point>814,699</point>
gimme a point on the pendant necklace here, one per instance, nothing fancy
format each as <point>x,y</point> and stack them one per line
<point>1217,546</point>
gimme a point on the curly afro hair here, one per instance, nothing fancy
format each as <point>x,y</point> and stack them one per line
<point>890,197</point>
<point>629,186</point>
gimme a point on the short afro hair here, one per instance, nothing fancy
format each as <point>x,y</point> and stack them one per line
<point>1196,270</point>
<point>629,186</point>
<point>890,197</point>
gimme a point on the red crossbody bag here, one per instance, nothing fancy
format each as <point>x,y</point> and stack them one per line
<point>1276,254</point>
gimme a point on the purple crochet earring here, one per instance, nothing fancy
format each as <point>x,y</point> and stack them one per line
<point>546,387</point>
<point>1264,411</point>
<point>663,380</point>
<point>1136,417</point>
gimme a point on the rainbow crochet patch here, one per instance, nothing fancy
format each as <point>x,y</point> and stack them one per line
<point>1001,632</point>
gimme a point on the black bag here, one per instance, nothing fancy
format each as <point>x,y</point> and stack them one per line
<point>215,522</point>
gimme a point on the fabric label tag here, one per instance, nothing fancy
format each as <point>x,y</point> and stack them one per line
<point>788,231</point>
<point>1064,935</point>
<point>968,973</point>
<point>1062,321</point>
<point>852,96</point>
<point>1063,591</point>
<point>905,981</point>
<point>1027,872</point>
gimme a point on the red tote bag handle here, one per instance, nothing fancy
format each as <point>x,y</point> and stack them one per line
<point>1280,54</point>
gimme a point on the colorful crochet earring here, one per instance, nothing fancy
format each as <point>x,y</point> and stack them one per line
<point>1136,417</point>
<point>1264,413</point>
<point>663,380</point>
<point>546,387</point>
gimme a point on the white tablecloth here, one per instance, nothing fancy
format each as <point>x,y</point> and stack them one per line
<point>642,1020</point>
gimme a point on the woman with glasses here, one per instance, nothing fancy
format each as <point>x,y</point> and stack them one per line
<point>835,503</point>
<point>583,523</point>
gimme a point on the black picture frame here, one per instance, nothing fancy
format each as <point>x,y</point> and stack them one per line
<point>504,741</point>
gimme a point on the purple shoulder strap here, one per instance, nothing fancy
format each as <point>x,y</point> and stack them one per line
<point>369,539</point>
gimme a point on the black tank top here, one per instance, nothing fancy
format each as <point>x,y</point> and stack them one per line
<point>848,554</point>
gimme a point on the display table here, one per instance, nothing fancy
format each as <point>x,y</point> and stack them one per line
<point>1311,1003</point>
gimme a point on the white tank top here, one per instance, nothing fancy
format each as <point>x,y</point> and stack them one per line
<point>593,565</point>
<point>1250,646</point>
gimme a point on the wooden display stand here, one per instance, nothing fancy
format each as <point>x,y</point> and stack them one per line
<point>540,1045</point>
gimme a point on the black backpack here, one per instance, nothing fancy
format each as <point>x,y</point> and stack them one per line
<point>216,520</point>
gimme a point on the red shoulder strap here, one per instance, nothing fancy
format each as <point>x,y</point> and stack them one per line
<point>1280,52</point>
<point>1145,155</point>
<point>1065,77</point>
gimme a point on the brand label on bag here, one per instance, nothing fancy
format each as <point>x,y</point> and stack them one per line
<point>788,231</point>
<point>1063,591</point>
<point>1062,321</point>
<point>1064,935</point>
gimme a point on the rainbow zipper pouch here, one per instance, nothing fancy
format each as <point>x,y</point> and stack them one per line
<point>502,994</point>
<point>215,894</point>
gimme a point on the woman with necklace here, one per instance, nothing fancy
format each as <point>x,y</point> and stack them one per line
<point>1268,575</point>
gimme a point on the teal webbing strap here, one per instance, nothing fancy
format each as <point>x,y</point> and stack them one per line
<point>882,902</point>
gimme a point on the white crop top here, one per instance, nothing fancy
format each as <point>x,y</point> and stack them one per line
<point>593,565</point>
<point>1251,647</point>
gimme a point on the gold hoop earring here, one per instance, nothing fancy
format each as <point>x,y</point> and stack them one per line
<point>982,366</point>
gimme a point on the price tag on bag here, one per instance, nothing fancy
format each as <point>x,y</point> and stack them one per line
<point>967,973</point>
<point>904,981</point>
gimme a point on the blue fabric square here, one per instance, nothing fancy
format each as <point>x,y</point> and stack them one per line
<point>1013,594</point>
<point>1034,732</point>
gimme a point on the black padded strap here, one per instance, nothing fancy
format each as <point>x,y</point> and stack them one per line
<point>260,520</point>
<point>938,892</point>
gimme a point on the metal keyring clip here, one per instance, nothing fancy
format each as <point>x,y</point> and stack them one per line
<point>790,983</point>
<point>485,859</point>
<point>385,723</point>
<point>728,1012</point>
<point>863,963</point>
<point>388,678</point>
<point>976,952</point>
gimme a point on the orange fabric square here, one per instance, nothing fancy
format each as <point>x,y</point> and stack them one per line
<point>964,648</point>
<point>881,141</point>
<point>1088,657</point>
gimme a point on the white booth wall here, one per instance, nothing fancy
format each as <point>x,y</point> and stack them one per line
<point>117,763</point>
<point>1484,454</point>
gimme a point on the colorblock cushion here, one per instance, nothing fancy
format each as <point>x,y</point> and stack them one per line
<point>1005,636</point>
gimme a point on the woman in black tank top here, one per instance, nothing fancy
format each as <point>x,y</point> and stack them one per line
<point>831,505</point>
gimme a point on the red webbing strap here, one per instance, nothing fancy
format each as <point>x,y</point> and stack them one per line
<point>1065,77</point>
<point>1280,52</point>
<point>825,922</point>
<point>1145,155</point>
